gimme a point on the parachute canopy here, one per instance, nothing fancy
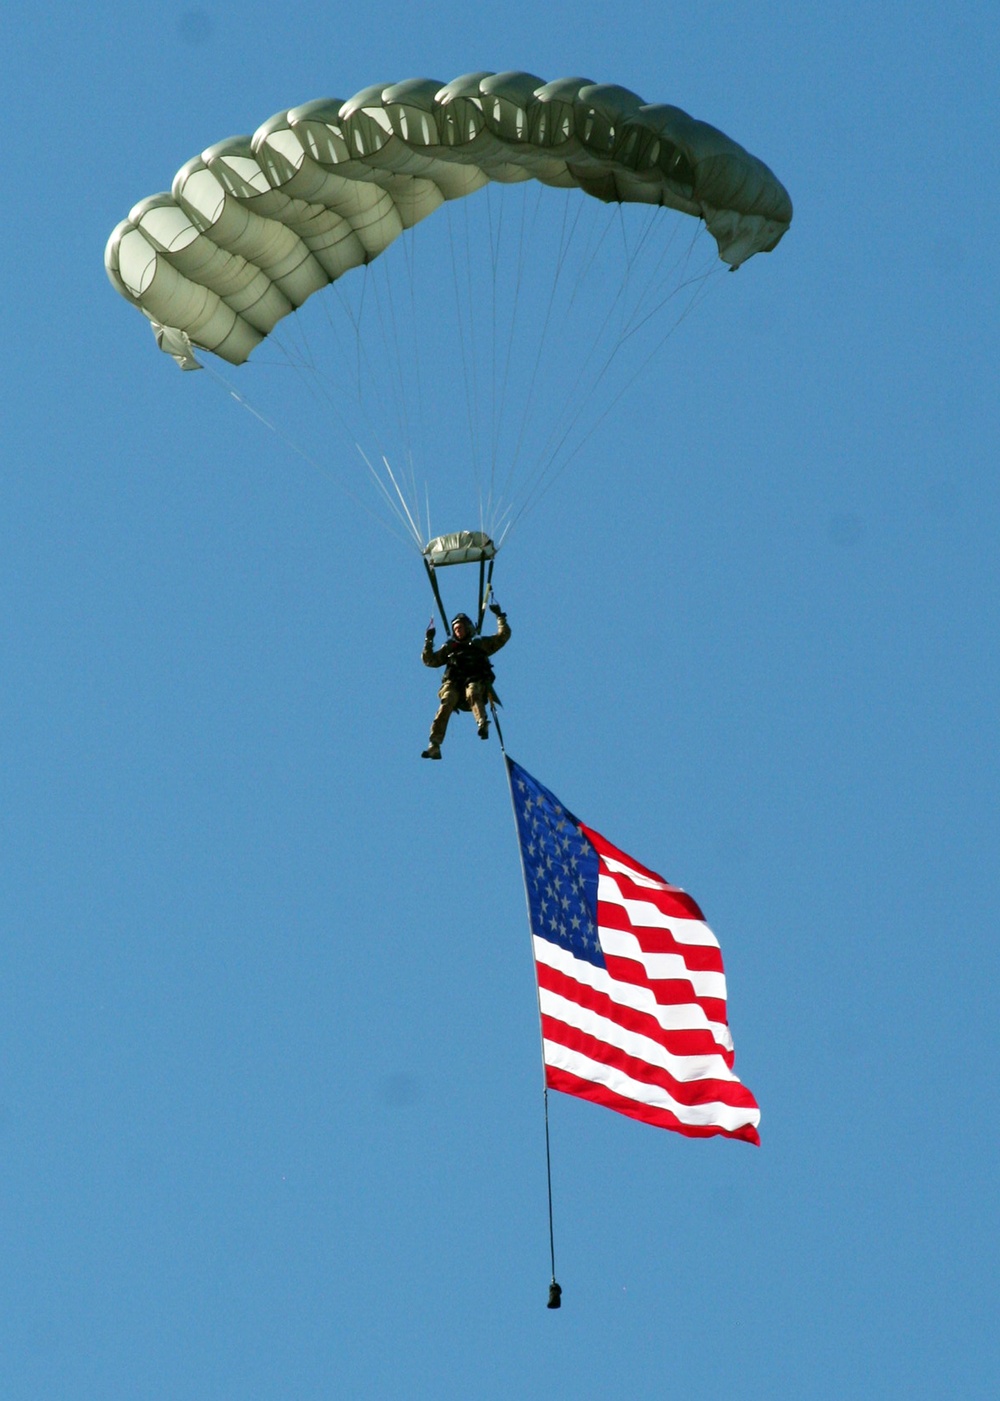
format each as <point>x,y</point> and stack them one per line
<point>256,224</point>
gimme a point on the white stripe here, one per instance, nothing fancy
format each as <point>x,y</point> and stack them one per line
<point>645,915</point>
<point>688,1016</point>
<point>714,1114</point>
<point>640,877</point>
<point>633,1043</point>
<point>662,965</point>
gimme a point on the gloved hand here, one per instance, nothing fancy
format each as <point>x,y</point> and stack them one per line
<point>496,610</point>
<point>431,629</point>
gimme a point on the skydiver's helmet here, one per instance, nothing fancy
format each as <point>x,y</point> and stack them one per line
<point>470,627</point>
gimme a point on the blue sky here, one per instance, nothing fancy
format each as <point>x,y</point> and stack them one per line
<point>270,1107</point>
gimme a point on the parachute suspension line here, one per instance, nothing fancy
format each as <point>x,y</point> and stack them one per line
<point>416,359</point>
<point>549,468</point>
<point>494,250</point>
<point>389,383</point>
<point>504,308</point>
<point>416,424</point>
<point>624,334</point>
<point>304,361</point>
<point>630,261</point>
<point>502,341</point>
<point>466,349</point>
<point>388,387</point>
<point>385,305</point>
<point>482,323</point>
<point>565,241</point>
<point>292,446</point>
<point>577,398</point>
<point>360,349</point>
<point>321,390</point>
<point>321,383</point>
<point>324,390</point>
<point>570,415</point>
<point>682,263</point>
<point>489,417</point>
<point>360,359</point>
<point>555,1289</point>
<point>632,256</point>
<point>575,403</point>
<point>495,238</point>
<point>702,285</point>
<point>699,281</point>
<point>549,454</point>
<point>413,527</point>
<point>297,349</point>
<point>493,504</point>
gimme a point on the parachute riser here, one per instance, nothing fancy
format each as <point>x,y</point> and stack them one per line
<point>464,547</point>
<point>485,589</point>
<point>432,576</point>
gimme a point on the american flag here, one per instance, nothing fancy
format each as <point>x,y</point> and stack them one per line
<point>631,990</point>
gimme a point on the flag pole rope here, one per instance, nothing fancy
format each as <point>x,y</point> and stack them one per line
<point>555,1289</point>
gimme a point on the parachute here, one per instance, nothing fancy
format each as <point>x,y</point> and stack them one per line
<point>256,224</point>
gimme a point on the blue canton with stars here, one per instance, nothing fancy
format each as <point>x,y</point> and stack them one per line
<point>560,869</point>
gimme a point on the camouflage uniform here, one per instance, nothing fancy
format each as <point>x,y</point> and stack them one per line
<point>468,679</point>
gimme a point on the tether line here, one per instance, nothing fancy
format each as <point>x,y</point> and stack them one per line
<point>555,1289</point>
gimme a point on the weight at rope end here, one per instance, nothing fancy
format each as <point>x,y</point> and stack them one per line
<point>555,1296</point>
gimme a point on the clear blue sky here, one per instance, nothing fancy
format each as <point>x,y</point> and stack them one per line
<point>270,1108</point>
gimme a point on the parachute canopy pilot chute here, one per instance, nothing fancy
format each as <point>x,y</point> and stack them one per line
<point>253,226</point>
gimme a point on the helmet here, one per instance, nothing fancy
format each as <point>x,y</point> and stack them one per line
<point>463,618</point>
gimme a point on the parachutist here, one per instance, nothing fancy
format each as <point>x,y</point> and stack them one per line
<point>468,677</point>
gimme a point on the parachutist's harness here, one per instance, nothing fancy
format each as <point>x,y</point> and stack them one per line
<point>467,663</point>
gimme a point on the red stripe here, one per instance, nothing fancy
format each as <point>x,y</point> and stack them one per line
<point>686,1041</point>
<point>701,957</point>
<point>676,904</point>
<point>659,1118</point>
<point>669,992</point>
<point>676,901</point>
<point>688,1092</point>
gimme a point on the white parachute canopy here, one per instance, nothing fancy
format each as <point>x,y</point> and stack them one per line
<point>254,225</point>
